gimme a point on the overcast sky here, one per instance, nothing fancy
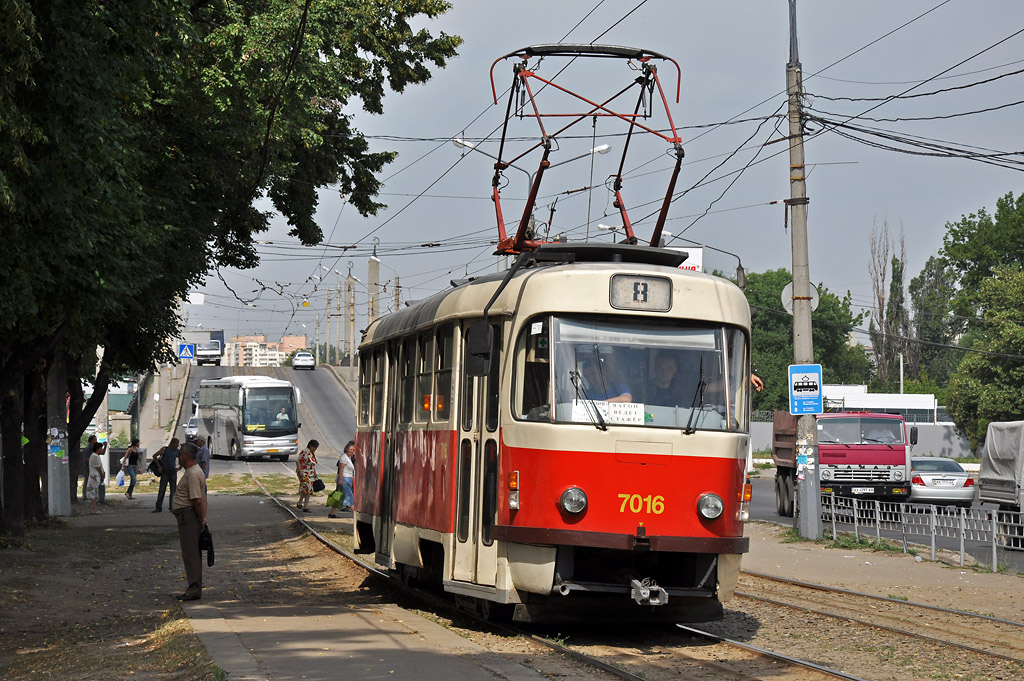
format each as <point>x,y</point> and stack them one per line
<point>733,56</point>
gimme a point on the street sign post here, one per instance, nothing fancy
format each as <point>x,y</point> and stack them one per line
<point>186,351</point>
<point>805,395</point>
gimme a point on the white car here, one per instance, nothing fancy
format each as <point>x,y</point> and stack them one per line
<point>303,359</point>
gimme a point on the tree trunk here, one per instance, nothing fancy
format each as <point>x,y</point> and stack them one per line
<point>35,449</point>
<point>11,404</point>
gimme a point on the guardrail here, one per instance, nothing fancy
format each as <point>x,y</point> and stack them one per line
<point>981,529</point>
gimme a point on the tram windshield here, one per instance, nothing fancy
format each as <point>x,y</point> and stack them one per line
<point>629,372</point>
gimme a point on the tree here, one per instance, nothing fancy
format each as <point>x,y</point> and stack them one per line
<point>137,138</point>
<point>772,338</point>
<point>979,243</point>
<point>889,327</point>
<point>934,326</point>
<point>987,384</point>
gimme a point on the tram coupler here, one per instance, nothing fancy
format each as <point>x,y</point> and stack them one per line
<point>647,592</point>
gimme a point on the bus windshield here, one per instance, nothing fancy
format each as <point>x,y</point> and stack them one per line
<point>860,431</point>
<point>269,411</point>
<point>631,372</point>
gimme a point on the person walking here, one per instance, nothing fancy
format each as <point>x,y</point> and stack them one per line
<point>188,504</point>
<point>95,479</point>
<point>168,458</point>
<point>305,470</point>
<point>130,466</point>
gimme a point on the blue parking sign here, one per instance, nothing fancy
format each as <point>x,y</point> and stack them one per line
<point>805,395</point>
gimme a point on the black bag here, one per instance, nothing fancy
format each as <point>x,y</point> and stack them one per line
<point>154,467</point>
<point>206,544</point>
<point>318,485</point>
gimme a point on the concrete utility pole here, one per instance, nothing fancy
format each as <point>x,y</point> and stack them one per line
<point>397,289</point>
<point>59,486</point>
<point>808,521</point>
<point>316,341</point>
<point>328,315</point>
<point>350,328</point>
<point>337,300</point>
<point>374,275</point>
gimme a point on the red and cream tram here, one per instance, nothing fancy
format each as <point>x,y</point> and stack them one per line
<point>512,474</point>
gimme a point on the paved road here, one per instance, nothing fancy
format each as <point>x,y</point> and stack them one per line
<point>762,507</point>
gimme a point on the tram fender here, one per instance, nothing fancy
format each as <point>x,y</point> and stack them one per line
<point>532,568</point>
<point>406,546</point>
<point>728,575</point>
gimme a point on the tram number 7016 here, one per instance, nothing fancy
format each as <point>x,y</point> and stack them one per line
<point>635,503</point>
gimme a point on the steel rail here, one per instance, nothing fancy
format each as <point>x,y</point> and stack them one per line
<point>925,606</point>
<point>882,627</point>
<point>768,653</point>
<point>419,593</point>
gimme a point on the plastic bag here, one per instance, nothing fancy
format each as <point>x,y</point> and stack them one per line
<point>335,499</point>
<point>120,478</point>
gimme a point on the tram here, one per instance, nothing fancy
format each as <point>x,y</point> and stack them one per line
<point>564,440</point>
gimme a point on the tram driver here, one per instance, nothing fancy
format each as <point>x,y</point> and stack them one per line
<point>600,384</point>
<point>665,388</point>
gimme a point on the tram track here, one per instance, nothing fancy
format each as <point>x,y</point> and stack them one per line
<point>612,661</point>
<point>990,636</point>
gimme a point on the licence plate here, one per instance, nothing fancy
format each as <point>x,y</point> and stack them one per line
<point>272,450</point>
<point>943,482</point>
<point>863,490</point>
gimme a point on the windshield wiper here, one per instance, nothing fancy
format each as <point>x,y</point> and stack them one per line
<point>582,394</point>
<point>698,395</point>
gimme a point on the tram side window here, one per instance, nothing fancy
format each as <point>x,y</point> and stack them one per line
<point>408,379</point>
<point>494,380</point>
<point>378,386</point>
<point>533,372</point>
<point>364,388</point>
<point>424,378</point>
<point>443,368</point>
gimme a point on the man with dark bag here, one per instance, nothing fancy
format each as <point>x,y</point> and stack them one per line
<point>189,507</point>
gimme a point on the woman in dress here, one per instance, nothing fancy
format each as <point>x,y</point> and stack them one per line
<point>92,485</point>
<point>130,465</point>
<point>305,470</point>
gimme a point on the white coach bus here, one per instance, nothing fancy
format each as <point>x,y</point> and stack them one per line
<point>249,416</point>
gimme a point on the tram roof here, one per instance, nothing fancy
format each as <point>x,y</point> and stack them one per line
<point>549,266</point>
<point>246,381</point>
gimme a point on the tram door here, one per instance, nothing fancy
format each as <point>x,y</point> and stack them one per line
<point>476,556</point>
<point>385,526</point>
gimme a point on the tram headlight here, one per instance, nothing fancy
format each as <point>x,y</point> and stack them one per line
<point>710,505</point>
<point>574,500</point>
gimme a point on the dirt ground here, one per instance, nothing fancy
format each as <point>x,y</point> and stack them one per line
<point>76,608</point>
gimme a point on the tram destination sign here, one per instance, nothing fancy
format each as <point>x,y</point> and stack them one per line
<point>638,292</point>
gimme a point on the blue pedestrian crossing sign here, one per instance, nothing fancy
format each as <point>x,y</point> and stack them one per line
<point>805,389</point>
<point>186,350</point>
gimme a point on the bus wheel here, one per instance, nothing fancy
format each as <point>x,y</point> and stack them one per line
<point>236,451</point>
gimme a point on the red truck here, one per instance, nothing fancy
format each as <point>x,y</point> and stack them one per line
<point>862,454</point>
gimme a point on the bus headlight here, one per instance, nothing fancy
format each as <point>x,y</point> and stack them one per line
<point>574,500</point>
<point>710,505</point>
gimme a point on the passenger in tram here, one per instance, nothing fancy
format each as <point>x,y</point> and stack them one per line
<point>600,383</point>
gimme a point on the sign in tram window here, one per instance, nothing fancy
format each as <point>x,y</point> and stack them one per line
<point>443,383</point>
<point>638,292</point>
<point>424,378</point>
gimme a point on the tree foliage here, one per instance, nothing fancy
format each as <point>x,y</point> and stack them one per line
<point>772,338</point>
<point>987,387</point>
<point>139,135</point>
<point>934,325</point>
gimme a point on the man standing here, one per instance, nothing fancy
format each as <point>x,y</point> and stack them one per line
<point>168,457</point>
<point>203,456</point>
<point>189,507</point>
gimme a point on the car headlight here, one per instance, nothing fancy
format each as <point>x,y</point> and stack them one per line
<point>897,475</point>
<point>574,500</point>
<point>710,505</point>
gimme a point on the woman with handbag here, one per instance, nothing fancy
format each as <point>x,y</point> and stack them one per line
<point>305,470</point>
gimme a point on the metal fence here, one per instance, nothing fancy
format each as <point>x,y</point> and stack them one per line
<point>982,533</point>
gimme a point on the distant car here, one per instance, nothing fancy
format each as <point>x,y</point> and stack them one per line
<point>303,359</point>
<point>940,481</point>
<point>191,429</point>
<point>195,401</point>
